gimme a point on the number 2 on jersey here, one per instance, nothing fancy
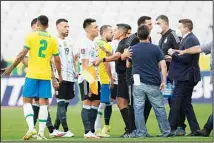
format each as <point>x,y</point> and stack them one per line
<point>44,44</point>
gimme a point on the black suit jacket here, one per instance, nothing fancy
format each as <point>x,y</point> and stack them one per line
<point>182,67</point>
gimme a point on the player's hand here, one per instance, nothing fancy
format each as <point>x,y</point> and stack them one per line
<point>55,83</point>
<point>60,79</point>
<point>112,82</point>
<point>98,61</point>
<point>128,52</point>
<point>2,70</point>
<point>76,75</point>
<point>171,51</point>
<point>168,58</point>
<point>180,52</point>
<point>6,71</point>
<point>162,86</point>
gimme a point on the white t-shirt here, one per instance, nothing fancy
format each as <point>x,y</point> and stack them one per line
<point>89,51</point>
<point>66,58</point>
<point>114,45</point>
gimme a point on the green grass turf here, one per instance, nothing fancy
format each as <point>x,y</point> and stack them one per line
<point>13,125</point>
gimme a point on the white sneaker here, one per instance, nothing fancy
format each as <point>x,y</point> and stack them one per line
<point>56,133</point>
<point>88,135</point>
<point>93,135</point>
<point>68,134</point>
<point>40,137</point>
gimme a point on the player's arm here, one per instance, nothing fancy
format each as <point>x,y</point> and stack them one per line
<point>58,67</point>
<point>126,54</point>
<point>57,60</point>
<point>128,63</point>
<point>75,65</point>
<point>108,70</point>
<point>18,59</point>
<point>106,51</point>
<point>25,61</point>
<point>163,67</point>
<point>53,78</point>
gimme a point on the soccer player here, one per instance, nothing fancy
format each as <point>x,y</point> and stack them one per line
<point>108,109</point>
<point>106,78</point>
<point>122,94</point>
<point>52,131</point>
<point>66,88</point>
<point>88,54</point>
<point>42,46</point>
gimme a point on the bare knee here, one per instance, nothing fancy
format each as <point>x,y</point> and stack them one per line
<point>95,103</point>
<point>27,100</point>
<point>43,101</point>
<point>122,103</point>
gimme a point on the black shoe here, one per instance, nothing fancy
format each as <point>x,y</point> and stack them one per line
<point>125,135</point>
<point>194,133</point>
<point>204,132</point>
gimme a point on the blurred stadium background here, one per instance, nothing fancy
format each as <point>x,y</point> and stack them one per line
<point>17,15</point>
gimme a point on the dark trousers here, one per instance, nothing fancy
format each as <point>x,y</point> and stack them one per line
<point>182,100</point>
<point>209,123</point>
<point>181,118</point>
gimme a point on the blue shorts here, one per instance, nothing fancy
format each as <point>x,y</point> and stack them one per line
<point>37,88</point>
<point>105,93</point>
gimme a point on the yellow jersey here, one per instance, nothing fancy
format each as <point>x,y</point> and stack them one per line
<point>42,46</point>
<point>104,78</point>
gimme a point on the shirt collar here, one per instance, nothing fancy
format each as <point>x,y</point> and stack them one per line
<point>185,35</point>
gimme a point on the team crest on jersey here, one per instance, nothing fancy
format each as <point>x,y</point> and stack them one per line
<point>165,40</point>
<point>82,51</point>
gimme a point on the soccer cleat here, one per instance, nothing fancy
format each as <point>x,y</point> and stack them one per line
<point>101,134</point>
<point>68,134</point>
<point>56,133</point>
<point>40,137</point>
<point>106,129</point>
<point>34,135</point>
<point>29,134</point>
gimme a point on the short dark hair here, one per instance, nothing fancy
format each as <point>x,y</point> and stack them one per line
<point>34,21</point>
<point>143,32</point>
<point>128,26</point>
<point>164,18</point>
<point>123,27</point>
<point>103,28</point>
<point>88,22</point>
<point>187,23</point>
<point>142,20</point>
<point>61,20</point>
<point>43,20</point>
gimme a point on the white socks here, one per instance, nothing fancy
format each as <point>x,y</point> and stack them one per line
<point>98,122</point>
<point>43,116</point>
<point>28,113</point>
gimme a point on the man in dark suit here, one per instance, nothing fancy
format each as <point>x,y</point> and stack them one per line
<point>185,71</point>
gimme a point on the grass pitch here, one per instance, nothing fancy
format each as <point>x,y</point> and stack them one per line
<point>13,125</point>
